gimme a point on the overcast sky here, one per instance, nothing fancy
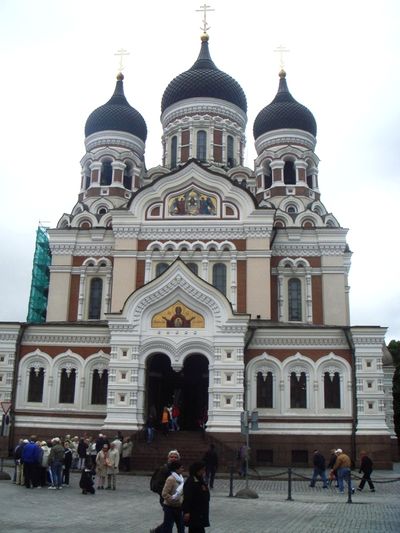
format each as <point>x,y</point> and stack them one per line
<point>58,65</point>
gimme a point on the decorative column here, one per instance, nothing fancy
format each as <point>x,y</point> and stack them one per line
<point>280,299</point>
<point>277,171</point>
<point>308,298</point>
<point>81,298</point>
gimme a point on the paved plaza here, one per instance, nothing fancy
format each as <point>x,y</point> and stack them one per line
<point>134,508</point>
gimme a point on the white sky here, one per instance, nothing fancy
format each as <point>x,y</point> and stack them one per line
<point>58,64</point>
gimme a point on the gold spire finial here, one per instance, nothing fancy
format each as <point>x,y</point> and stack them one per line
<point>281,50</point>
<point>121,53</point>
<point>204,9</point>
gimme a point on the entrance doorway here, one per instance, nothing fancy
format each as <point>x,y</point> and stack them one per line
<point>188,389</point>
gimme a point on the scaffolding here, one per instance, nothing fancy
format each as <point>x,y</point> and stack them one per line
<point>40,278</point>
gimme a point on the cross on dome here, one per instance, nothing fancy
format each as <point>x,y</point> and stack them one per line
<point>205,8</point>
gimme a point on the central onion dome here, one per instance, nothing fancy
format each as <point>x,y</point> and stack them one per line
<point>284,112</point>
<point>117,115</point>
<point>204,79</point>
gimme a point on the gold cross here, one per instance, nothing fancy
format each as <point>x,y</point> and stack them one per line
<point>281,50</point>
<point>204,8</point>
<point>121,53</point>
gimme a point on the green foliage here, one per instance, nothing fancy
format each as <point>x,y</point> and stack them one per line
<point>394,349</point>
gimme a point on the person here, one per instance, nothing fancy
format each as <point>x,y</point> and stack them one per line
<point>44,465</point>
<point>175,413</point>
<point>118,444</point>
<point>342,468</point>
<point>331,464</point>
<point>101,466</point>
<point>165,420</point>
<point>74,449</point>
<point>112,463</point>
<point>319,469</point>
<point>83,446</point>
<point>150,429</point>
<point>56,459</point>
<point>158,479</point>
<point>366,469</point>
<point>196,499</point>
<point>67,462</point>
<point>86,482</point>
<point>211,462</point>
<point>172,495</point>
<point>19,467</point>
<point>31,459</point>
<point>243,457</point>
<point>126,454</point>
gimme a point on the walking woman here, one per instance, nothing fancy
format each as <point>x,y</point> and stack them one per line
<point>196,499</point>
<point>172,495</point>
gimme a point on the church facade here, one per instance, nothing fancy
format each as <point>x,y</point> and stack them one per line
<point>203,283</point>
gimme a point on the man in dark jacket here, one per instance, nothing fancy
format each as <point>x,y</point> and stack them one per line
<point>196,499</point>
<point>366,469</point>
<point>31,458</point>
<point>319,469</point>
<point>56,460</point>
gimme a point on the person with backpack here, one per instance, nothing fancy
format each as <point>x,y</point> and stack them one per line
<point>158,480</point>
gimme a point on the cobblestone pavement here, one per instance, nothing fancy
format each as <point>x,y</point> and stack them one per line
<point>132,508</point>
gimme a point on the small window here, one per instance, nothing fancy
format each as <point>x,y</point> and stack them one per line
<point>95,298</point>
<point>369,384</point>
<point>332,390</point>
<point>99,387</point>
<point>174,151</point>
<point>67,385</point>
<point>35,388</point>
<point>201,152</point>
<point>123,375</point>
<point>294,297</point>
<point>128,177</point>
<point>289,173</point>
<point>229,377</point>
<point>124,353</point>
<point>160,268</point>
<point>219,277</point>
<point>264,390</point>
<point>106,173</point>
<point>102,210</point>
<point>122,397</point>
<point>229,355</point>
<point>298,391</point>
<point>87,181</point>
<point>370,405</point>
<point>229,150</point>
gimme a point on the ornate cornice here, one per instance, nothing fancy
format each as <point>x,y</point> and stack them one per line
<point>69,340</point>
<point>81,249</point>
<point>167,232</point>
<point>308,250</point>
<point>294,340</point>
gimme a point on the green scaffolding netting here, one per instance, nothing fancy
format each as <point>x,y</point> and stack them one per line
<point>40,279</point>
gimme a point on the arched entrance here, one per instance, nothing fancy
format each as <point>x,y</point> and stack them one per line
<point>188,388</point>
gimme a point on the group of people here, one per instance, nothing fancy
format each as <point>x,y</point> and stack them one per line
<point>40,463</point>
<point>185,502</point>
<point>339,467</point>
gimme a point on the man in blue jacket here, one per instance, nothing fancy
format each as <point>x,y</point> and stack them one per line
<point>31,458</point>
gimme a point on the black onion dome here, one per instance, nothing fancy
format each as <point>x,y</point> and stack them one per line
<point>117,115</point>
<point>204,79</point>
<point>284,112</point>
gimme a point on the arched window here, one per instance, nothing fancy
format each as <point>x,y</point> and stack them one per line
<point>35,388</point>
<point>264,390</point>
<point>219,277</point>
<point>174,151</point>
<point>201,152</point>
<point>289,173</point>
<point>267,181</point>
<point>229,151</point>
<point>67,385</point>
<point>106,173</point>
<point>310,181</point>
<point>332,390</point>
<point>128,177</point>
<point>160,268</point>
<point>87,181</point>
<point>99,387</point>
<point>298,391</point>
<point>95,298</point>
<point>294,297</point>
<point>193,267</point>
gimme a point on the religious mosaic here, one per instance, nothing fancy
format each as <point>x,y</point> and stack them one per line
<point>177,316</point>
<point>192,203</point>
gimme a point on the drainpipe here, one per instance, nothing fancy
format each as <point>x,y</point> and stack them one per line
<point>349,338</point>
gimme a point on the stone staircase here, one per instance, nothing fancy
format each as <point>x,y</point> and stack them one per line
<point>191,445</point>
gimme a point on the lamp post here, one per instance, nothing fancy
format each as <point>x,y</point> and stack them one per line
<point>247,421</point>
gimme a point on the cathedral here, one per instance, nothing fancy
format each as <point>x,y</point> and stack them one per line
<point>202,283</point>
